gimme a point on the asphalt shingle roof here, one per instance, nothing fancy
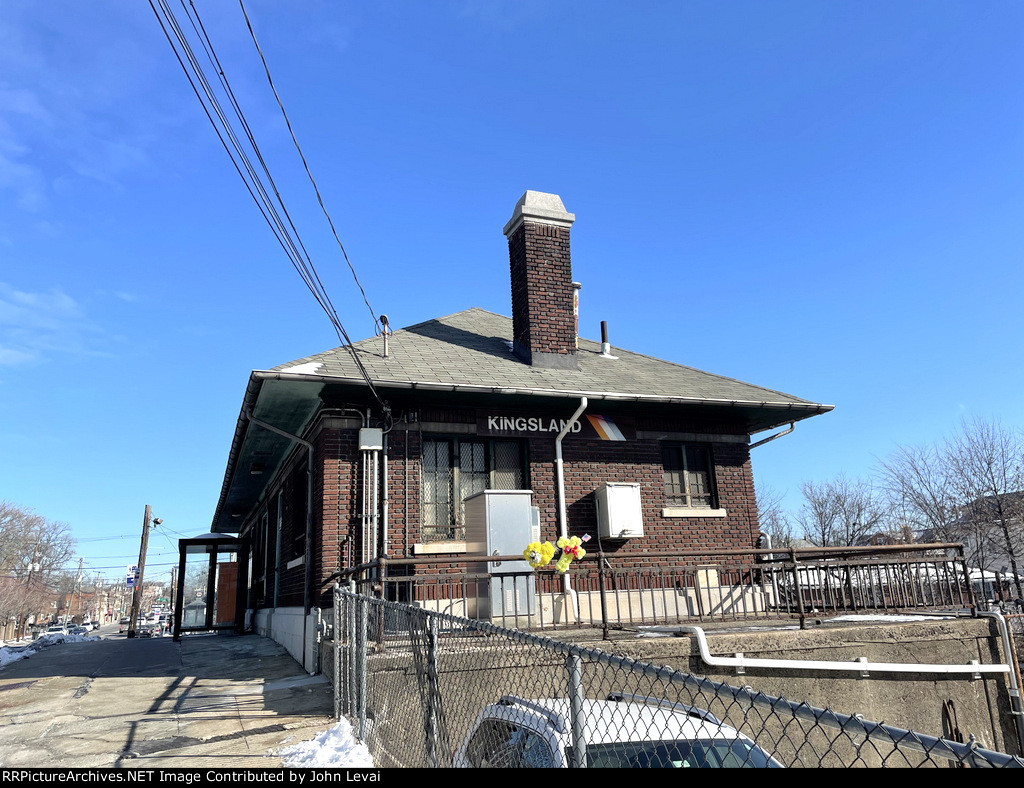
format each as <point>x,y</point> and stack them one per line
<point>473,348</point>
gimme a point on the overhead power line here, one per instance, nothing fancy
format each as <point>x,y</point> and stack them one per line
<point>305,164</point>
<point>259,186</point>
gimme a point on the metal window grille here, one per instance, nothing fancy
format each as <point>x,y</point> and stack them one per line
<point>688,475</point>
<point>438,518</point>
<point>456,468</point>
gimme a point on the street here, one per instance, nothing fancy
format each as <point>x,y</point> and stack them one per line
<point>207,701</point>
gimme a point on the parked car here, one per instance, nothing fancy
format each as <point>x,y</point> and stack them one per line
<point>56,629</point>
<point>122,625</point>
<point>622,731</point>
<point>82,630</point>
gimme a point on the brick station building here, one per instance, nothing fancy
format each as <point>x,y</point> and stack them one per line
<point>319,478</point>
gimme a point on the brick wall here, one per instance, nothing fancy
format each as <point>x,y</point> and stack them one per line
<point>337,494</point>
<point>542,294</point>
<point>587,463</point>
<point>292,526</point>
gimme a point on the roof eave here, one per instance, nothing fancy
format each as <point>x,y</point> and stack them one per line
<point>248,402</point>
<point>810,408</point>
<point>794,411</point>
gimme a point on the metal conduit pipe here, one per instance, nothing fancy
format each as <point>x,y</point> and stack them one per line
<point>861,665</point>
<point>368,553</point>
<point>384,495</point>
<point>1016,705</point>
<point>375,503</point>
<point>563,525</point>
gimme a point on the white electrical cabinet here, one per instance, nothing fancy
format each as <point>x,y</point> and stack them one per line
<point>619,513</point>
<point>503,522</point>
<point>371,439</point>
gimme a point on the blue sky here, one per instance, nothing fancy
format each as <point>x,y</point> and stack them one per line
<point>823,198</point>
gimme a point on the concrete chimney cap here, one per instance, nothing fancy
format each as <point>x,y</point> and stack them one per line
<point>539,207</point>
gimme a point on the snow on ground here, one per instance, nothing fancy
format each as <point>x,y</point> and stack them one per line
<point>893,618</point>
<point>9,654</point>
<point>335,747</point>
<point>673,631</point>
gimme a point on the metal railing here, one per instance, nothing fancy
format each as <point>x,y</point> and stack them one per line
<point>624,590</point>
<point>452,691</point>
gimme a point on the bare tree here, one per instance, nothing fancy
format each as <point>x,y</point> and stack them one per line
<point>841,512</point>
<point>986,469</point>
<point>918,485</point>
<point>32,552</point>
<point>772,517</point>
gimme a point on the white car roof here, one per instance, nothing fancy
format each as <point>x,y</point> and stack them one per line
<point>615,721</point>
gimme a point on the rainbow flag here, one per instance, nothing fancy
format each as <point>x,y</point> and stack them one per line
<point>606,428</point>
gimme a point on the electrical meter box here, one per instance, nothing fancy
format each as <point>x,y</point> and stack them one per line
<point>503,522</point>
<point>619,513</point>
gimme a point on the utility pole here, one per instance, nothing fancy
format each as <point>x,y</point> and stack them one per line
<point>23,620</point>
<point>137,591</point>
<point>74,591</point>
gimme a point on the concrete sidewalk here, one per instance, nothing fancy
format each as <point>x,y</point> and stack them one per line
<point>208,701</point>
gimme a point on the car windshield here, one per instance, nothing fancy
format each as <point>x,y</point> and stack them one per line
<point>696,754</point>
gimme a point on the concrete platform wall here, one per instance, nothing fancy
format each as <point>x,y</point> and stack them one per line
<point>926,703</point>
<point>293,630</point>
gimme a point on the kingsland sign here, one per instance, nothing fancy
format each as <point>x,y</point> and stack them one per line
<point>588,426</point>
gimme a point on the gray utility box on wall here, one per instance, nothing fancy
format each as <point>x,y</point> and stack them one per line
<point>619,513</point>
<point>503,522</point>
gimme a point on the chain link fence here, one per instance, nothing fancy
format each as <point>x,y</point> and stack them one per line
<point>450,691</point>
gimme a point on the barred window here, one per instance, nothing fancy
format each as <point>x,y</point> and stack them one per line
<point>456,468</point>
<point>689,476</point>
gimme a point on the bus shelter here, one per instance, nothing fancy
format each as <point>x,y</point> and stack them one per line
<point>212,583</point>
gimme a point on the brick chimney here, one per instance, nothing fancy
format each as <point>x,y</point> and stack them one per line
<point>543,318</point>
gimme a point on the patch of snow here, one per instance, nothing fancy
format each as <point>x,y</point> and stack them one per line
<point>892,618</point>
<point>336,747</point>
<point>9,654</point>
<point>295,681</point>
<point>309,368</point>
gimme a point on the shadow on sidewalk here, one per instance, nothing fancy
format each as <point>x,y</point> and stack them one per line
<point>154,701</point>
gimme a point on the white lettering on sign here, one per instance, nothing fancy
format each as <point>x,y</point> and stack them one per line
<point>529,424</point>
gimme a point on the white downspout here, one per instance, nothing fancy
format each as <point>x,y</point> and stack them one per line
<point>563,526</point>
